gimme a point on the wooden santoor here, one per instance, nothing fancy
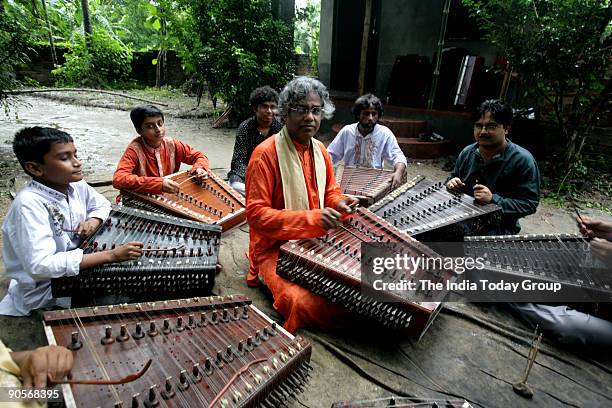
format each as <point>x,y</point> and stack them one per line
<point>179,258</point>
<point>197,360</point>
<point>209,199</point>
<point>331,267</point>
<point>364,182</point>
<point>427,211</point>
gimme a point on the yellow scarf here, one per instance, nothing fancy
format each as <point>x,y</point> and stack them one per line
<point>292,175</point>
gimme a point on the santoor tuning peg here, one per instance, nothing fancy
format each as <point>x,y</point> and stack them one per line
<point>152,329</point>
<point>203,320</point>
<point>229,354</point>
<point>168,391</point>
<point>179,324</point>
<point>195,372</point>
<point>123,333</point>
<point>75,344</point>
<point>138,334</point>
<point>183,383</point>
<point>219,359</point>
<point>135,400</point>
<point>166,327</point>
<point>152,400</point>
<point>208,366</point>
<point>108,335</point>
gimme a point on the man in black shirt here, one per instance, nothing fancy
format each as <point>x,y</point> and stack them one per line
<point>252,132</point>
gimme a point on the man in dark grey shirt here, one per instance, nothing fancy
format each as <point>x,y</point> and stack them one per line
<point>252,132</point>
<point>495,170</point>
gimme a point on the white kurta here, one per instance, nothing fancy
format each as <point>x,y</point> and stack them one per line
<point>371,150</point>
<point>36,247</point>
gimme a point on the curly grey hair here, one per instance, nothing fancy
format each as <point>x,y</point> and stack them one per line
<point>298,89</point>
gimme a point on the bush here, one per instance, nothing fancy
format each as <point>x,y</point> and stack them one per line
<point>236,46</point>
<point>107,60</point>
<point>14,41</point>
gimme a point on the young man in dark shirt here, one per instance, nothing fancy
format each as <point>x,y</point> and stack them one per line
<point>252,132</point>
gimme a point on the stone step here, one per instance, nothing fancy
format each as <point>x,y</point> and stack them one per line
<point>402,127</point>
<point>414,148</point>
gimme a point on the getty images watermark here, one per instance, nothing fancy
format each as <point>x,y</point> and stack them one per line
<point>421,274</point>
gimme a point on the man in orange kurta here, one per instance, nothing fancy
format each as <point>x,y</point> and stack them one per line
<point>302,104</point>
<point>152,155</point>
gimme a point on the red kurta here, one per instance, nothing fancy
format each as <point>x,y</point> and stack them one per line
<point>271,225</point>
<point>134,175</point>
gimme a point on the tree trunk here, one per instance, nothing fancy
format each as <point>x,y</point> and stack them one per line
<point>163,59</point>
<point>571,153</point>
<point>364,47</point>
<point>49,33</point>
<point>441,37</point>
<point>161,71</point>
<point>579,133</point>
<point>158,69</point>
<point>165,67</point>
<point>34,9</point>
<point>86,22</point>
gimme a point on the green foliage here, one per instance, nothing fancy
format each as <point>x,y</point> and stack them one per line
<point>125,20</point>
<point>586,187</point>
<point>162,20</point>
<point>561,49</point>
<point>307,32</point>
<point>107,60</point>
<point>14,40</point>
<point>235,46</point>
<point>588,181</point>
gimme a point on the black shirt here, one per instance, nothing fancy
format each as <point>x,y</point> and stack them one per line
<point>247,139</point>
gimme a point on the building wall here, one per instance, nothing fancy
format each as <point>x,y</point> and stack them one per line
<point>325,40</point>
<point>406,27</point>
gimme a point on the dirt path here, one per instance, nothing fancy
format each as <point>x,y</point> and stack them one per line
<point>102,134</point>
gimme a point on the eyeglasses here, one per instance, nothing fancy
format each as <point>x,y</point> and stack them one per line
<point>488,127</point>
<point>304,110</point>
<point>266,108</point>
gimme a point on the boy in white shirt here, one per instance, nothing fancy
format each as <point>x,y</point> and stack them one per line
<point>48,220</point>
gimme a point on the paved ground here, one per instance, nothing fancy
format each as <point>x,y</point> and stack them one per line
<point>471,351</point>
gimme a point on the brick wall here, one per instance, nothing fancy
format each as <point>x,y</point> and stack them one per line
<point>143,70</point>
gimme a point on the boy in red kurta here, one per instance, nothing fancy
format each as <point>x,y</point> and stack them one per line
<point>292,194</point>
<point>152,155</point>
